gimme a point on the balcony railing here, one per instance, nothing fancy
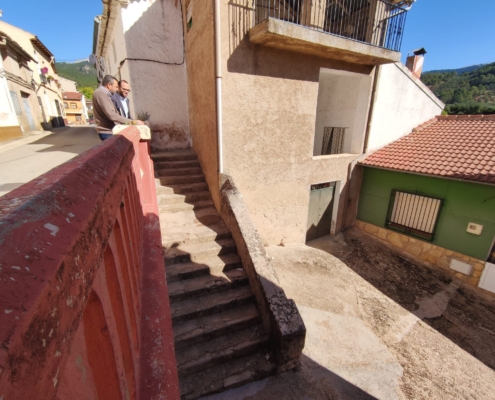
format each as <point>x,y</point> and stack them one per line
<point>376,22</point>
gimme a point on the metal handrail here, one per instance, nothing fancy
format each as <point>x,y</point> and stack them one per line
<point>376,22</point>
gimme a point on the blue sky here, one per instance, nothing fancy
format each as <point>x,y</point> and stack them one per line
<point>455,33</point>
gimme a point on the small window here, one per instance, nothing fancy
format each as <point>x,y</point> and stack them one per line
<point>66,105</point>
<point>15,100</point>
<point>333,140</point>
<point>78,117</point>
<point>73,105</point>
<point>413,214</point>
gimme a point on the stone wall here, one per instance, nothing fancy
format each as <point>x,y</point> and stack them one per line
<point>427,252</point>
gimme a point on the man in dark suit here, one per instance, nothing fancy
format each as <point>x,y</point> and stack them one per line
<point>120,99</point>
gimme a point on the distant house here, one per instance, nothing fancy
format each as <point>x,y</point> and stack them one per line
<point>43,74</point>
<point>18,103</point>
<point>432,194</point>
<point>74,105</point>
<point>68,85</point>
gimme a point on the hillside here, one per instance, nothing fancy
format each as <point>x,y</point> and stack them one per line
<point>458,70</point>
<point>466,93</point>
<point>82,72</point>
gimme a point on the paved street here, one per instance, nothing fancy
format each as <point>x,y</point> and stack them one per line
<point>379,326</point>
<point>21,162</point>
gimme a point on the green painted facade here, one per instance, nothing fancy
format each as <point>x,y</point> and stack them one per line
<point>462,203</point>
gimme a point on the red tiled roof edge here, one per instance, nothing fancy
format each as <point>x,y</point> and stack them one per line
<point>425,124</point>
<point>480,117</point>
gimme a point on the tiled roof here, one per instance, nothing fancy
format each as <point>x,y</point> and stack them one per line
<point>72,96</point>
<point>17,46</point>
<point>454,146</point>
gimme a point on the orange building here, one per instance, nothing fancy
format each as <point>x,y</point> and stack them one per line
<point>74,109</point>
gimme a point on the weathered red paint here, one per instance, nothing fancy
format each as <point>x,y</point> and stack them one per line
<point>84,309</point>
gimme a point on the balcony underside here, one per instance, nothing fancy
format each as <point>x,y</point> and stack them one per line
<point>300,39</point>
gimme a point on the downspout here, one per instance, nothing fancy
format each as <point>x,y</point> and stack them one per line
<point>218,81</point>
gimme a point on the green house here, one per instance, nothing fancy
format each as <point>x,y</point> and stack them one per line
<point>435,190</point>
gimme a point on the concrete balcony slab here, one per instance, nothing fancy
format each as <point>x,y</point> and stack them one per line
<point>301,39</point>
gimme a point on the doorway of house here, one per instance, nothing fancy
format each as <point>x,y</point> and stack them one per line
<point>321,200</point>
<point>42,109</point>
<point>27,109</point>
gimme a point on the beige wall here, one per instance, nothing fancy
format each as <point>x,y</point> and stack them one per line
<point>269,118</point>
<point>68,85</point>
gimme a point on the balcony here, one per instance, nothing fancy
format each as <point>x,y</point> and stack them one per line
<point>358,31</point>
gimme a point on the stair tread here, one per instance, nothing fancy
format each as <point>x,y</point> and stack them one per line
<point>176,207</point>
<point>214,264</point>
<point>204,327</point>
<point>175,164</point>
<point>229,375</point>
<point>194,234</point>
<point>172,153</point>
<point>205,354</point>
<point>207,283</point>
<point>209,303</point>
<point>180,187</point>
<point>166,172</point>
<point>182,196</point>
<point>195,248</point>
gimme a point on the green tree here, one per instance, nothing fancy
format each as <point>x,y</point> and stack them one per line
<point>87,92</point>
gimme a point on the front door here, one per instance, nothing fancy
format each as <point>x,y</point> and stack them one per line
<point>27,110</point>
<point>42,109</point>
<point>321,200</point>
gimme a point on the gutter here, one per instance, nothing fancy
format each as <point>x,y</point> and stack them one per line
<point>218,82</point>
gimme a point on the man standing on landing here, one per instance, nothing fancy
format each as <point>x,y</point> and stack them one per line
<point>121,100</point>
<point>105,113</point>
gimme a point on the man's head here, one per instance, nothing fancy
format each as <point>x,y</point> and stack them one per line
<point>111,83</point>
<point>124,88</point>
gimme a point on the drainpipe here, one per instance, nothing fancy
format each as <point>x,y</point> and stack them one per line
<point>218,81</point>
<point>372,107</point>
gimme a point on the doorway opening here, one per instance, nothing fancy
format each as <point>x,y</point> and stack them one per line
<point>321,210</point>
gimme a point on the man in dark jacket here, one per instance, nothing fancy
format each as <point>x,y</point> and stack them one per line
<point>106,115</point>
<point>121,100</point>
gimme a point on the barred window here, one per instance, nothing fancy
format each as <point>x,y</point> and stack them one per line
<point>333,140</point>
<point>413,214</point>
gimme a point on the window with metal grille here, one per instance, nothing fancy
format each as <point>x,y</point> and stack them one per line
<point>413,214</point>
<point>15,101</point>
<point>333,140</point>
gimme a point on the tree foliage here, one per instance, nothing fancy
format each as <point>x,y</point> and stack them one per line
<point>467,93</point>
<point>82,72</point>
<point>87,91</point>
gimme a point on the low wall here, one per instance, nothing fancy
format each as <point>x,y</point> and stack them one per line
<point>428,252</point>
<point>280,315</point>
<point>83,299</point>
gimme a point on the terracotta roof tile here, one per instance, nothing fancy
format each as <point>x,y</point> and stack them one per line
<point>460,146</point>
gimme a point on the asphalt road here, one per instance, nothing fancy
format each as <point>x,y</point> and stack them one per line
<point>20,162</point>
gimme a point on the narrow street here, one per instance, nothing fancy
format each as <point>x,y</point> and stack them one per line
<point>24,162</point>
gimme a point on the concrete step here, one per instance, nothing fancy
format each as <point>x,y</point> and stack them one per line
<point>176,164</point>
<point>159,173</point>
<point>212,265</point>
<point>197,252</point>
<point>180,188</point>
<point>234,373</point>
<point>174,155</point>
<point>172,198</point>
<point>202,285</point>
<point>190,332</point>
<point>195,234</point>
<point>180,180</point>
<point>200,356</point>
<point>172,208</point>
<point>210,303</point>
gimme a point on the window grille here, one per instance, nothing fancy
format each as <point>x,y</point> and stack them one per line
<point>15,100</point>
<point>333,140</point>
<point>413,214</point>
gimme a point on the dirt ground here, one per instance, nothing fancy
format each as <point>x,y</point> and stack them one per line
<point>379,326</point>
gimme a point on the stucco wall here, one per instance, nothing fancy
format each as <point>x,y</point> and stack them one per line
<point>202,93</point>
<point>402,102</point>
<point>7,113</point>
<point>269,117</point>
<point>153,32</point>
<point>463,203</point>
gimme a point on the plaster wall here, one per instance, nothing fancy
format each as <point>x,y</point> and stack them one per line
<point>7,113</point>
<point>202,93</point>
<point>269,117</point>
<point>33,105</point>
<point>68,85</point>
<point>343,101</point>
<point>154,41</point>
<point>402,102</point>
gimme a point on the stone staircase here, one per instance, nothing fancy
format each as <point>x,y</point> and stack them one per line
<point>220,342</point>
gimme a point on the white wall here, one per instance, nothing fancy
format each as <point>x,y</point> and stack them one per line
<point>68,85</point>
<point>402,102</point>
<point>7,113</point>
<point>343,99</point>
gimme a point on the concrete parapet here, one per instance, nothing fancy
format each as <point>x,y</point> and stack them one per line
<point>84,307</point>
<point>280,315</point>
<point>427,252</point>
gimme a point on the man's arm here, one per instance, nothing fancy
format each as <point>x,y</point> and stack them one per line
<point>108,108</point>
<point>118,106</point>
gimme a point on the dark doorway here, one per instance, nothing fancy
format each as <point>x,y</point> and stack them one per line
<point>321,199</point>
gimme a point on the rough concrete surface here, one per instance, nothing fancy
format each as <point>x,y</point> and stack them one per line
<point>25,159</point>
<point>379,326</point>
